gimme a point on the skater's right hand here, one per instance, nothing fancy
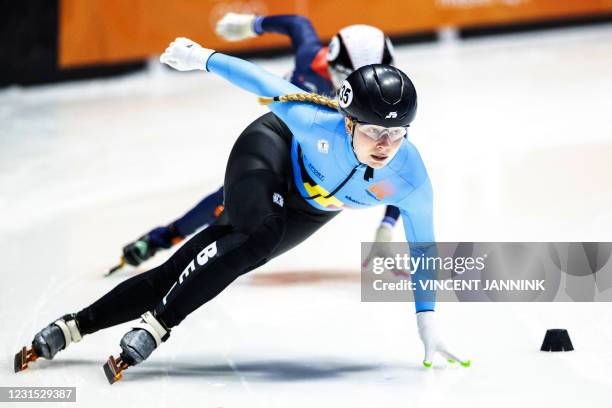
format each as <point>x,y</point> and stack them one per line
<point>184,54</point>
<point>432,341</point>
<point>236,27</point>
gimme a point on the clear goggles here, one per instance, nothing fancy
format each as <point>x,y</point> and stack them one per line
<point>376,132</point>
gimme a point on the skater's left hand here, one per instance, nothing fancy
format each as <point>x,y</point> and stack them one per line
<point>379,249</point>
<point>428,332</point>
<point>184,54</point>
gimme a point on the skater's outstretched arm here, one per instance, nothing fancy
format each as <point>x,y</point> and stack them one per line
<point>417,216</point>
<point>298,28</point>
<point>236,27</point>
<point>249,76</point>
<point>184,55</point>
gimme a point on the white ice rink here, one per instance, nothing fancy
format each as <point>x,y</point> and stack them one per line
<point>516,132</point>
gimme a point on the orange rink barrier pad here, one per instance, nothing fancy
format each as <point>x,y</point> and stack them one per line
<point>96,32</point>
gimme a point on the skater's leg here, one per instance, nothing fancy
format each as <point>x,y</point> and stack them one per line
<point>257,223</point>
<point>257,177</point>
<point>127,301</point>
<point>131,298</point>
<point>210,272</point>
<point>164,237</point>
<point>204,213</point>
<point>256,183</point>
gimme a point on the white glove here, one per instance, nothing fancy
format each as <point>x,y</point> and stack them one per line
<point>236,27</point>
<point>384,233</point>
<point>428,332</point>
<point>185,55</point>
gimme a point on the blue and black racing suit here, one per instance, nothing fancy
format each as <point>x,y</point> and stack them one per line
<point>310,74</point>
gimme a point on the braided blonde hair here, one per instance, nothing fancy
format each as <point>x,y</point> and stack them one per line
<point>301,97</point>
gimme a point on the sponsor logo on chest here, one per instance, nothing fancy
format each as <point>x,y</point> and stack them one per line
<point>316,172</point>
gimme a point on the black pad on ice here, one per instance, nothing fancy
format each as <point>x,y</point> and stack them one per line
<point>557,340</point>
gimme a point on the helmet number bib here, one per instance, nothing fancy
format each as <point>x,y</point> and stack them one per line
<point>345,95</point>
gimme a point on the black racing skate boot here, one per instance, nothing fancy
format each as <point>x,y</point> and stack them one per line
<point>53,338</point>
<point>136,346</point>
<point>149,244</point>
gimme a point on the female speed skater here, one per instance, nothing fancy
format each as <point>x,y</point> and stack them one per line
<point>289,172</point>
<point>319,69</point>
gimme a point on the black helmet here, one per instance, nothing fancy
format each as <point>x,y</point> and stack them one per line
<point>355,46</point>
<point>380,95</point>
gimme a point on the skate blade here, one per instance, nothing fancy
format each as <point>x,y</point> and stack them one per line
<point>23,358</point>
<point>113,369</point>
<point>117,267</point>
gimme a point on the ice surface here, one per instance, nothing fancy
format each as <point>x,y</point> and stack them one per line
<point>516,134</point>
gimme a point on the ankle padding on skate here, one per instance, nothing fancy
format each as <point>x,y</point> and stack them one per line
<point>154,327</point>
<point>71,331</point>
